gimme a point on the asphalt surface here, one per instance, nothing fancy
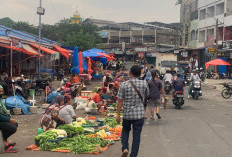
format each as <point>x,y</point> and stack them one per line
<point>202,128</point>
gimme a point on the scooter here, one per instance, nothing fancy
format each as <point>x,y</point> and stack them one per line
<point>20,88</point>
<point>178,100</point>
<point>39,85</point>
<point>167,87</point>
<point>196,91</point>
<point>188,79</point>
<point>227,91</point>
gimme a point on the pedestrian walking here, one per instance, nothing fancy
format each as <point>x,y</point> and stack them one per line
<point>130,96</point>
<point>155,88</point>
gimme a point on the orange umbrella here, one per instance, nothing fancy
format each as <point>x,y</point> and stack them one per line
<point>80,62</point>
<point>216,62</point>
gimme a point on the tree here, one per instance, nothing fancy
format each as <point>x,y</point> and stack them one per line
<point>6,21</point>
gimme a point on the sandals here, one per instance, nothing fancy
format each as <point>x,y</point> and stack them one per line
<point>11,144</point>
<point>10,149</point>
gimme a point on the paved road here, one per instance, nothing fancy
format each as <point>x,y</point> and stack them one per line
<point>201,129</point>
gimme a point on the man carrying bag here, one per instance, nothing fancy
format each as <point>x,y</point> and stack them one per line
<point>131,95</point>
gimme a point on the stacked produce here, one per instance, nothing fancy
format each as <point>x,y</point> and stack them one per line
<point>82,136</point>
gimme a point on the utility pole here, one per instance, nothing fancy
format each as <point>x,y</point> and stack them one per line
<point>216,50</point>
<point>40,11</point>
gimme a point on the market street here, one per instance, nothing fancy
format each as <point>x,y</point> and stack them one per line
<point>202,128</point>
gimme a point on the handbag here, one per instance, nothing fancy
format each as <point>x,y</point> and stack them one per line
<point>144,101</point>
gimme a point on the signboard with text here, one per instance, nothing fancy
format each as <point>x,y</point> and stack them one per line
<point>211,50</point>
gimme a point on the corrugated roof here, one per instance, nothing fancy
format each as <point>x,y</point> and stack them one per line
<point>8,32</point>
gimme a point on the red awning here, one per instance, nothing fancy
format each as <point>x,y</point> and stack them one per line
<point>44,49</point>
<point>216,62</point>
<point>64,52</point>
<point>21,50</point>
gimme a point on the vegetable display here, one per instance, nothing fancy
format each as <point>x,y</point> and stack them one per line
<point>71,129</point>
<point>110,121</point>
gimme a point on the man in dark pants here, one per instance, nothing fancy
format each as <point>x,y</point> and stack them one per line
<point>8,126</point>
<point>133,110</point>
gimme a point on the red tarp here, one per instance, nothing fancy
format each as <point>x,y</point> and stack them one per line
<point>109,58</point>
<point>216,62</point>
<point>44,49</point>
<point>21,50</point>
<point>64,52</point>
<point>81,69</point>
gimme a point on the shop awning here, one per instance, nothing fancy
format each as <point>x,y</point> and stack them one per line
<point>44,49</point>
<point>64,52</point>
<point>25,51</point>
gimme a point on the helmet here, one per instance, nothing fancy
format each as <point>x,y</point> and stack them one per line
<point>65,80</point>
<point>196,68</point>
<point>201,68</point>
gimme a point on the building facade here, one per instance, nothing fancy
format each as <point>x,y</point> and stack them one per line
<point>138,40</point>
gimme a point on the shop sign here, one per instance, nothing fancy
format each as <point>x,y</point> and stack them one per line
<point>211,50</point>
<point>176,51</point>
<point>184,54</point>
<point>141,54</point>
<point>151,54</point>
<point>140,49</point>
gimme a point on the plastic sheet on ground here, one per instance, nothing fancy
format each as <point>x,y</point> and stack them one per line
<point>20,103</point>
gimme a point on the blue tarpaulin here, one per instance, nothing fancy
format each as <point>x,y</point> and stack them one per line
<point>90,54</point>
<point>94,50</point>
<point>103,60</point>
<point>20,101</point>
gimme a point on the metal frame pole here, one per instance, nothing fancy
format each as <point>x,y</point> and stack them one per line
<point>39,42</point>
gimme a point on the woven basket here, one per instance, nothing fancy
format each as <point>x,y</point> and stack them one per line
<point>17,111</point>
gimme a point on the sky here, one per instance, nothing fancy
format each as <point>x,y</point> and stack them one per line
<point>114,10</point>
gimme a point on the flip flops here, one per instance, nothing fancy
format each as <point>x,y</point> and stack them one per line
<point>10,149</point>
<point>11,144</point>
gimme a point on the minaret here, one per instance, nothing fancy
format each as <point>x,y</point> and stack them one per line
<point>76,19</point>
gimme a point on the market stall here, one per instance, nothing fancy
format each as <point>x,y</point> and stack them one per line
<point>84,136</point>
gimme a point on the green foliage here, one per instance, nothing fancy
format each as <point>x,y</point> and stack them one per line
<point>85,36</point>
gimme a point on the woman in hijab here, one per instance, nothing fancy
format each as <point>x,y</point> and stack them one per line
<point>50,117</point>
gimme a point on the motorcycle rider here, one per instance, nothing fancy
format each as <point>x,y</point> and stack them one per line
<point>178,84</point>
<point>194,76</point>
<point>168,77</point>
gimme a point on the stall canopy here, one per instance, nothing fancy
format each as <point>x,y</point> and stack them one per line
<point>44,49</point>
<point>23,50</point>
<point>90,54</point>
<point>64,52</point>
<point>95,50</point>
<point>216,62</point>
<point>109,58</point>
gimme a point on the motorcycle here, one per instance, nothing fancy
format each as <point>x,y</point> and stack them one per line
<point>188,79</point>
<point>39,85</point>
<point>178,100</point>
<point>209,75</point>
<point>202,76</point>
<point>20,88</point>
<point>196,91</point>
<point>227,91</point>
<point>167,87</point>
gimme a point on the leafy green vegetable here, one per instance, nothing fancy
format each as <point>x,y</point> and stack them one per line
<point>71,129</point>
<point>110,121</point>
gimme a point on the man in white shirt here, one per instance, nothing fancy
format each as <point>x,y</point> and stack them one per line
<point>168,77</point>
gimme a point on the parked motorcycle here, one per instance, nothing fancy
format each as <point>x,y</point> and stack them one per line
<point>188,79</point>
<point>202,76</point>
<point>178,100</point>
<point>167,87</point>
<point>227,91</point>
<point>39,85</point>
<point>21,88</point>
<point>196,90</point>
<point>209,75</point>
